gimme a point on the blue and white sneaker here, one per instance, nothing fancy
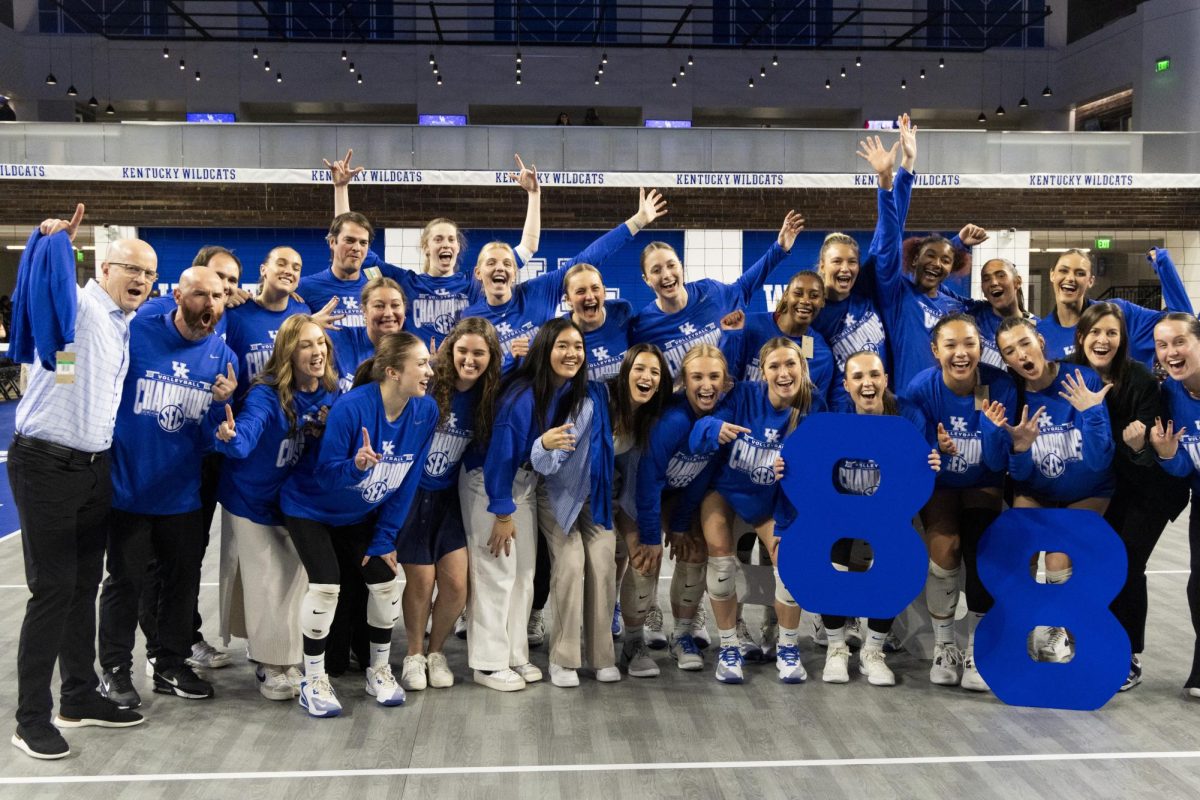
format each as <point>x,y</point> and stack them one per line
<point>729,665</point>
<point>751,651</point>
<point>317,697</point>
<point>383,686</point>
<point>618,624</point>
<point>686,654</point>
<point>787,661</point>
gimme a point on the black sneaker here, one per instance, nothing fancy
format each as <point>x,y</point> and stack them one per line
<point>116,684</point>
<point>41,741</point>
<point>1135,675</point>
<point>181,682</point>
<point>96,712</point>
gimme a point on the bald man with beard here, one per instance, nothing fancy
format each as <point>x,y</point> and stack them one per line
<point>181,375</point>
<point>59,470</point>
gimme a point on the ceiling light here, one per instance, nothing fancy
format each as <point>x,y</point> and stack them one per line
<point>828,84</point>
<point>843,72</point>
<point>267,66</point>
<point>1024,103</point>
<point>858,61</point>
<point>344,56</point>
<point>775,60</point>
<point>597,79</point>
<point>690,62</point>
<point>72,91</point>
<point>254,54</point>
<point>431,58</point>
<point>1046,92</point>
<point>197,75</point>
<point>93,102</point>
<point>762,72</point>
<point>604,58</point>
<point>182,64</point>
<point>166,53</point>
<point>922,73</point>
<point>1000,111</point>
<point>903,83</point>
<point>110,110</point>
<point>358,78</point>
<point>439,80</point>
<point>941,63</point>
<point>279,77</point>
<point>752,83</point>
<point>674,81</point>
<point>982,117</point>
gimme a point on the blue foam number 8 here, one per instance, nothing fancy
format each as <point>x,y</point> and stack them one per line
<point>883,518</point>
<point>1102,648</point>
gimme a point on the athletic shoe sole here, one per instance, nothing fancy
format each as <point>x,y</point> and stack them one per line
<point>792,678</point>
<point>333,712</point>
<point>89,722</point>
<point>24,747</point>
<point>276,694</point>
<point>731,679</point>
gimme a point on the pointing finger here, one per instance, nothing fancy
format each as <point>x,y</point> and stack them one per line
<point>366,440</point>
<point>230,373</point>
<point>229,415</point>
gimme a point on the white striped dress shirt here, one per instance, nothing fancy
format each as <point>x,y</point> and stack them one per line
<point>81,415</point>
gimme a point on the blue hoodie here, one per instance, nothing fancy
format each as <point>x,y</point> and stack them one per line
<point>513,434</point>
<point>1185,413</point>
<point>45,300</point>
<point>669,467</point>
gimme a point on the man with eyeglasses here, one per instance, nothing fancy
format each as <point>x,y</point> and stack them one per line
<point>58,467</point>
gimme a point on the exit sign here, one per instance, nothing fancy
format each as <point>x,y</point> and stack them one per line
<point>1162,65</point>
<point>1104,244</point>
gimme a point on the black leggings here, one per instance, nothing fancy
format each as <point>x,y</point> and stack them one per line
<point>877,625</point>
<point>332,554</point>
<point>1139,527</point>
<point>972,523</point>
<point>1193,588</point>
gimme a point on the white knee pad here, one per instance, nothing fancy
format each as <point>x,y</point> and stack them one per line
<point>782,595</point>
<point>638,593</point>
<point>941,591</point>
<point>687,584</point>
<point>722,577</point>
<point>383,604</point>
<point>316,609</point>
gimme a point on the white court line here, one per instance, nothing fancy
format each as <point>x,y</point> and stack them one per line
<point>668,766</point>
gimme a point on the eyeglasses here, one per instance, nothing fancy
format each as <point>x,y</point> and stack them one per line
<point>134,271</point>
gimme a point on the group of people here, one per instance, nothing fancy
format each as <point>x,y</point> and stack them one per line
<point>369,421</point>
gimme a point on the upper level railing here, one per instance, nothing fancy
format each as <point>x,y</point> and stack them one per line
<point>603,149</point>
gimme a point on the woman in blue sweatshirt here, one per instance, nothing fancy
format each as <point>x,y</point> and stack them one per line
<point>384,311</point>
<point>518,309</point>
<point>499,505</point>
<point>749,428</point>
<point>684,315</point>
<point>251,328</point>
<point>432,545</point>
<point>1176,441</point>
<point>357,497</point>
<point>800,303</point>
<point>280,423</point>
<point>1061,453</point>
<point>672,478</point>
<point>947,404</point>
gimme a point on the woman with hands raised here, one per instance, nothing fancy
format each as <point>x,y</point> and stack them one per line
<point>1062,453</point>
<point>262,578</point>
<point>1176,441</point>
<point>355,499</point>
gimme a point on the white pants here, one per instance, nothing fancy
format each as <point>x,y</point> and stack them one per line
<point>501,588</point>
<point>262,584</point>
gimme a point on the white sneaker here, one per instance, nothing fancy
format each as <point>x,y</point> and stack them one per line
<point>608,675</point>
<point>205,656</point>
<point>652,630</point>
<point>382,685</point>
<point>440,676</point>
<point>1194,691</point>
<point>729,665</point>
<point>946,660</point>
<point>295,678</point>
<point>528,672</point>
<point>687,656</point>
<point>637,660</point>
<point>971,679</point>
<point>837,664</point>
<point>502,680</point>
<point>412,673</point>
<point>563,677</point>
<point>819,636</point>
<point>273,682</point>
<point>318,698</point>
<point>787,663</point>
<point>535,629</point>
<point>460,626</point>
<point>700,627</point>
<point>873,665</point>
<point>854,633</point>
<point>1057,649</point>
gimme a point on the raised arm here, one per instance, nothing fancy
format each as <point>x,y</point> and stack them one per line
<point>342,173</point>
<point>531,234</point>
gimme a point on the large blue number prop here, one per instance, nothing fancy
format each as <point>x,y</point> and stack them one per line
<point>1101,659</point>
<point>883,518</point>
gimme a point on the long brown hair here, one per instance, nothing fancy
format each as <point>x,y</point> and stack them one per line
<point>1087,320</point>
<point>626,420</point>
<point>802,402</point>
<point>488,384</point>
<point>277,373</point>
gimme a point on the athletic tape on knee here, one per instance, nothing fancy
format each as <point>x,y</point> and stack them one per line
<point>1058,575</point>
<point>941,591</point>
<point>316,609</point>
<point>687,584</point>
<point>782,595</point>
<point>722,577</point>
<point>383,604</point>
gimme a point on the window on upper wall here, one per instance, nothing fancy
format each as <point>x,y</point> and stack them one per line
<point>330,19</point>
<point>978,24</point>
<point>799,23</point>
<point>1089,17</point>
<point>114,17</point>
<point>555,21</point>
